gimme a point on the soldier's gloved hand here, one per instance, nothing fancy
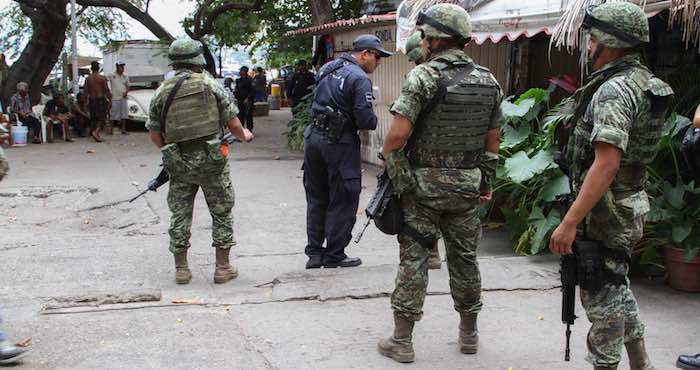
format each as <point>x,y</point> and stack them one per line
<point>247,135</point>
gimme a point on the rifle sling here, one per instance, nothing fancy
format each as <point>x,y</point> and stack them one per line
<point>171,97</point>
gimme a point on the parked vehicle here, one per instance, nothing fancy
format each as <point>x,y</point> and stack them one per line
<point>146,65</point>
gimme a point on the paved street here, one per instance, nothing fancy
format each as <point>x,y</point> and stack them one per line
<point>90,279</point>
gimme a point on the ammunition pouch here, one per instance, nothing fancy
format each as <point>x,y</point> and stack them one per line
<point>333,123</point>
<point>173,162</point>
<point>591,270</point>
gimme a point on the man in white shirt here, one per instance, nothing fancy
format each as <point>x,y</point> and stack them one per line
<point>119,85</point>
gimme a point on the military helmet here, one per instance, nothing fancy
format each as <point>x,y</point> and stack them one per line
<point>617,24</point>
<point>445,21</point>
<point>184,50</point>
<point>413,47</point>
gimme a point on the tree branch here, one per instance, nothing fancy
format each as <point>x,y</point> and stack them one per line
<point>134,12</point>
<point>208,26</point>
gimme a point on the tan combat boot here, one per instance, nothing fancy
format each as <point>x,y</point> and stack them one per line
<point>182,271</point>
<point>399,346</point>
<point>434,260</point>
<point>468,333</point>
<point>224,271</point>
<point>637,353</point>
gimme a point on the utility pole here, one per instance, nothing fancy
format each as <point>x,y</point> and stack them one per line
<point>74,47</point>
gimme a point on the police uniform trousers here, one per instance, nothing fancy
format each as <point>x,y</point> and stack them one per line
<point>613,310</point>
<point>332,181</point>
<point>192,168</point>
<point>432,210</point>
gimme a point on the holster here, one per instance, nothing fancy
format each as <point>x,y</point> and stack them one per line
<point>334,123</point>
<point>592,272</point>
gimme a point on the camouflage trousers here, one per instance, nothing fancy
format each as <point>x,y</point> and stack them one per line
<point>188,173</point>
<point>4,165</point>
<point>457,218</point>
<point>613,310</point>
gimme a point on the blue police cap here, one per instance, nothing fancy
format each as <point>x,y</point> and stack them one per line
<point>363,42</point>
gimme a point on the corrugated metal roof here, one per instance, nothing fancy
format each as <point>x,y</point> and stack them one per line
<point>340,25</point>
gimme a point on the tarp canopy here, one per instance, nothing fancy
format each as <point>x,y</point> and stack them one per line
<point>511,19</point>
<point>497,19</point>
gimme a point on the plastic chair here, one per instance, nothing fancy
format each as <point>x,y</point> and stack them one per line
<point>38,113</point>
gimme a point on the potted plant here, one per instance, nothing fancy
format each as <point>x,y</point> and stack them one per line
<point>675,230</point>
<point>674,220</point>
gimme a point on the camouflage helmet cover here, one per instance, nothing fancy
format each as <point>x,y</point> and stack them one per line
<point>413,47</point>
<point>445,21</point>
<point>618,24</point>
<point>184,50</point>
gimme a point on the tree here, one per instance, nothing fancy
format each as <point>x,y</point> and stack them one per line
<point>49,20</point>
<point>259,23</point>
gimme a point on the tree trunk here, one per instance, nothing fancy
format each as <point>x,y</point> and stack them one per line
<point>49,26</point>
<point>321,11</point>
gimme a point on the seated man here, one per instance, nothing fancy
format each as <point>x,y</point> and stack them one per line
<point>57,114</point>
<point>22,107</point>
<point>81,115</point>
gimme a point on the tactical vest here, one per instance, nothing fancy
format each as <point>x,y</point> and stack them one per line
<point>451,131</point>
<point>194,112</point>
<point>644,134</point>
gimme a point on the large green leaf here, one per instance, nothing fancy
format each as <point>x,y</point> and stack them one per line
<point>674,195</point>
<point>520,167</point>
<point>519,110</point>
<point>516,222</point>
<point>680,232</point>
<point>555,186</point>
<point>543,228</point>
<point>513,136</point>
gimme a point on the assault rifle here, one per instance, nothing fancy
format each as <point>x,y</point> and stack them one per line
<point>163,176</point>
<point>384,208</point>
<point>569,280</point>
<point>154,184</point>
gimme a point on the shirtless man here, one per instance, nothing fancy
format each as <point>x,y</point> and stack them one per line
<point>99,99</point>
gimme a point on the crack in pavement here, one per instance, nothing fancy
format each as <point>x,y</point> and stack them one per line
<point>313,297</point>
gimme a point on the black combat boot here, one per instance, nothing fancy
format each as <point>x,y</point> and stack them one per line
<point>399,346</point>
<point>11,354</point>
<point>688,362</point>
<point>468,333</point>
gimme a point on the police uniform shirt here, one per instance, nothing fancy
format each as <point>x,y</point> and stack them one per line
<point>349,90</point>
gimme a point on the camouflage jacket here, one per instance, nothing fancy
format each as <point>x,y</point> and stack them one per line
<point>227,110</point>
<point>416,95</point>
<point>627,111</point>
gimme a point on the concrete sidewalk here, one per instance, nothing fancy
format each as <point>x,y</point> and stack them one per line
<point>90,279</point>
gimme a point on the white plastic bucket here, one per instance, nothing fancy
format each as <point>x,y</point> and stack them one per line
<point>19,135</point>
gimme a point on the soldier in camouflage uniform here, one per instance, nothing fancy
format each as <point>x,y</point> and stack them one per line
<point>450,109</point>
<point>188,134</point>
<point>414,54</point>
<point>617,125</point>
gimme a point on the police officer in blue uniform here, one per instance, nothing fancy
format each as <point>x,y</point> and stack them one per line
<point>332,173</point>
